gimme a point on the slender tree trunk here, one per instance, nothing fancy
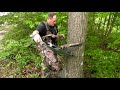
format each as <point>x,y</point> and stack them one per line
<point>105,20</point>
<point>108,24</point>
<point>77,27</point>
<point>93,28</point>
<point>111,24</point>
<point>100,22</point>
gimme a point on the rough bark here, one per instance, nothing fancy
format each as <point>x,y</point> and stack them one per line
<point>77,27</point>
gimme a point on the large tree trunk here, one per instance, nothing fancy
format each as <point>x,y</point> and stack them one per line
<point>77,27</point>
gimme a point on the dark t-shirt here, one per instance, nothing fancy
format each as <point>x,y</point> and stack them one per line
<point>41,28</point>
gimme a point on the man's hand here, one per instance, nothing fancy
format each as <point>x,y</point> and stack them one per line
<point>53,36</point>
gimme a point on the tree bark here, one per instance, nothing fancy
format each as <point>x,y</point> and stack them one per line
<point>77,27</point>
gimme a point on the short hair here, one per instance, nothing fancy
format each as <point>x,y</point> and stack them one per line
<point>51,14</point>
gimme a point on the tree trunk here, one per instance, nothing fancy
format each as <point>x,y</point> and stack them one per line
<point>77,27</point>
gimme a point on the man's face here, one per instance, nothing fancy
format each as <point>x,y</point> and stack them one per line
<point>52,21</point>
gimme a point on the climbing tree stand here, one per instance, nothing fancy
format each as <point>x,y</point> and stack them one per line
<point>52,62</point>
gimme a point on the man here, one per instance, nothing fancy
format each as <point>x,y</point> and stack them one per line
<point>47,31</point>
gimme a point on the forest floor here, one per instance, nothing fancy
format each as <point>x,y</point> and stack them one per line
<point>3,63</point>
<point>9,69</point>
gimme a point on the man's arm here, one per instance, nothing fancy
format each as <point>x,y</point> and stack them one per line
<point>34,33</point>
<point>58,36</point>
<point>36,37</point>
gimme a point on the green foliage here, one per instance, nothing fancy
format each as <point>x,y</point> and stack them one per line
<point>62,26</point>
<point>102,45</point>
<point>21,52</point>
<point>92,42</point>
<point>114,41</point>
<point>103,64</point>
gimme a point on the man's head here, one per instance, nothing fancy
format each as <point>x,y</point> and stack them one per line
<point>51,18</point>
